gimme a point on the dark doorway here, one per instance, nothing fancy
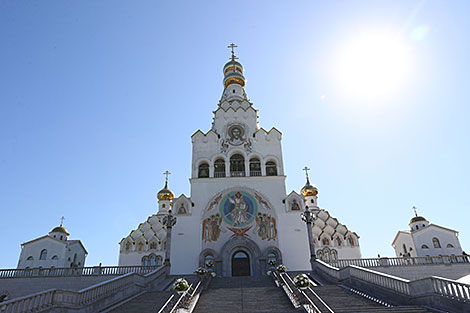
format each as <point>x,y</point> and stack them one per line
<point>240,264</point>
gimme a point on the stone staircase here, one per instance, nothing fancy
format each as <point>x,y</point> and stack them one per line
<point>341,300</point>
<point>149,302</point>
<point>243,295</point>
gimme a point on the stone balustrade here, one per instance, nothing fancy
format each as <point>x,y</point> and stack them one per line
<point>404,261</point>
<point>380,279</point>
<point>437,292</point>
<point>79,271</point>
<point>112,290</point>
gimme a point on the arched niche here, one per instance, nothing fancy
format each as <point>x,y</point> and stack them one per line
<point>245,245</point>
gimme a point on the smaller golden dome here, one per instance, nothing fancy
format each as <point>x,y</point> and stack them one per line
<point>60,229</point>
<point>309,190</point>
<point>165,193</point>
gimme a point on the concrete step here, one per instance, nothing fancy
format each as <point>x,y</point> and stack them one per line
<point>149,302</point>
<point>243,295</point>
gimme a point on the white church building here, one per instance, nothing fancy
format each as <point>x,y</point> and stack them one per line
<point>238,216</point>
<point>426,239</point>
<point>53,250</point>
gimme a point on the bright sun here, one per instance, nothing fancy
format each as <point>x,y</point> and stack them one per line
<point>372,66</point>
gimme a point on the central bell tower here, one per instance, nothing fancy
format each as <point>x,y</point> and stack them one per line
<point>238,196</point>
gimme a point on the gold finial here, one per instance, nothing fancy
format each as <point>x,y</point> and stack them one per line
<point>308,190</point>
<point>232,46</point>
<point>414,209</point>
<point>62,221</point>
<point>165,193</point>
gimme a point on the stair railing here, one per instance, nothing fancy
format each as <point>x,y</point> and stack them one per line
<point>187,298</point>
<point>78,271</point>
<point>127,284</point>
<point>297,296</point>
<point>401,261</point>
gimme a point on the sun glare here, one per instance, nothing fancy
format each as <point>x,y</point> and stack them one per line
<point>372,66</point>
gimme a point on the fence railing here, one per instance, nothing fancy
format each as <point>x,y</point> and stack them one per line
<point>405,261</point>
<point>79,271</point>
<point>125,284</point>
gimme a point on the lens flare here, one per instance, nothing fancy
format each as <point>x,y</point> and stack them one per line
<point>372,65</point>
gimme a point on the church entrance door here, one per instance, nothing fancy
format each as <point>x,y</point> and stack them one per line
<point>240,264</point>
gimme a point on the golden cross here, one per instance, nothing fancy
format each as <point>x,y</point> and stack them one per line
<point>414,209</point>
<point>62,220</point>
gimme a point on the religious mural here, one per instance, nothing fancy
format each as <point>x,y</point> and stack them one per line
<point>294,206</point>
<point>211,228</point>
<point>238,210</point>
<point>266,227</point>
<point>235,137</point>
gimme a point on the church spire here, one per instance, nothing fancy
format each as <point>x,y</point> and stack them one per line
<point>234,82</point>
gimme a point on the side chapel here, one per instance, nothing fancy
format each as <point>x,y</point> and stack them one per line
<point>238,216</point>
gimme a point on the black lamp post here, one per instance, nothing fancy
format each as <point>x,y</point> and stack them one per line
<point>308,217</point>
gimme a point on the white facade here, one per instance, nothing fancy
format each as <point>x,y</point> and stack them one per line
<point>425,239</point>
<point>238,205</point>
<point>54,250</point>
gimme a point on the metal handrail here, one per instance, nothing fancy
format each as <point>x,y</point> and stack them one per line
<point>185,298</point>
<point>310,302</point>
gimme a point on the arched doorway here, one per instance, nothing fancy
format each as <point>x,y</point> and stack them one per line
<point>240,264</point>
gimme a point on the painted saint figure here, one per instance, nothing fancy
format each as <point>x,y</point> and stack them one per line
<point>239,212</point>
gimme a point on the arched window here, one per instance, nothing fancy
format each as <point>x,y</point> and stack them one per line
<point>424,247</point>
<point>153,246</point>
<point>237,165</point>
<point>436,242</point>
<point>404,249</point>
<point>219,168</point>
<point>255,167</point>
<point>272,260</point>
<point>209,261</point>
<point>449,245</point>
<point>271,169</point>
<point>159,260</point>
<point>30,258</point>
<point>43,254</point>
<point>55,257</point>
<point>153,259</point>
<point>145,261</point>
<point>203,170</point>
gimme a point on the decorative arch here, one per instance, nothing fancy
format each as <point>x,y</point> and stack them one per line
<point>203,255</point>
<point>240,244</point>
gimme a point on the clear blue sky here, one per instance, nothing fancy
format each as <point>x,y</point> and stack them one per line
<point>99,98</point>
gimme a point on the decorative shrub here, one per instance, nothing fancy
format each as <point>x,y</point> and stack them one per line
<point>281,268</point>
<point>301,281</point>
<point>200,271</point>
<point>180,284</point>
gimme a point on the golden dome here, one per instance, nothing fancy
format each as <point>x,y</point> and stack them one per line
<point>165,193</point>
<point>309,190</point>
<point>60,229</point>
